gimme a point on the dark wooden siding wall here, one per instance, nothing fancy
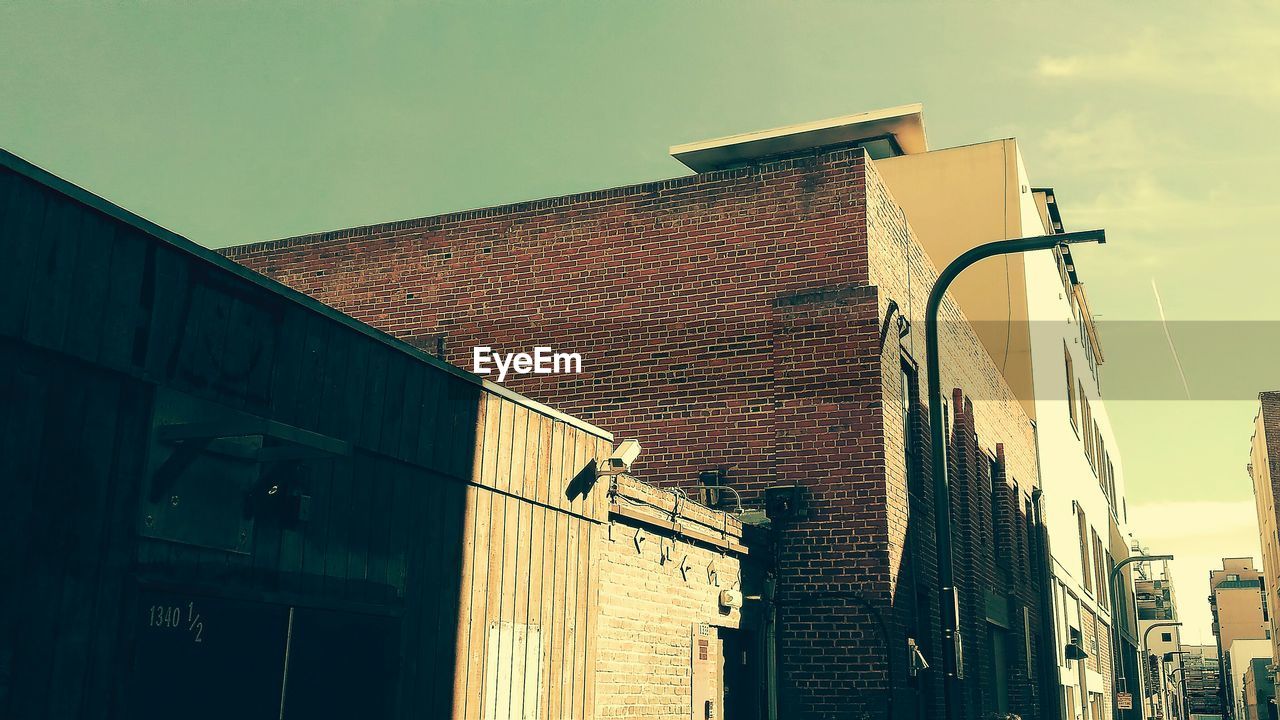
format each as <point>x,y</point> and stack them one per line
<point>457,506</point>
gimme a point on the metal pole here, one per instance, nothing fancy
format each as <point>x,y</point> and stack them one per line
<point>949,602</point>
<point>1146,649</point>
<point>1117,662</point>
<point>1182,666</point>
<point>1182,710</point>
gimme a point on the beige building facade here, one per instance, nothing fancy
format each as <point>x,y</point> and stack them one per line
<point>1033,317</point>
<point>1239,665</point>
<point>1238,603</point>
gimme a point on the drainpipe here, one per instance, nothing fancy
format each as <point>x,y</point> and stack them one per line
<point>1050,679</point>
<point>948,599</point>
<point>771,646</point>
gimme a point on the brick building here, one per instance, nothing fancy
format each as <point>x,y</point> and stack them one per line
<point>761,325</point>
<point>1264,471</point>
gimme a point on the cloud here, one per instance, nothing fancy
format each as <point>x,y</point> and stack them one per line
<point>1104,143</point>
<point>1050,67</point>
<point>1240,57</point>
<point>1148,182</point>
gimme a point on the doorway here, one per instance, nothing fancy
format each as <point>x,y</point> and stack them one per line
<point>744,693</point>
<point>209,658</point>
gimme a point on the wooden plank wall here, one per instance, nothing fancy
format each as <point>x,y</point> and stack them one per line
<point>459,507</point>
<point>69,460</point>
<point>530,560</point>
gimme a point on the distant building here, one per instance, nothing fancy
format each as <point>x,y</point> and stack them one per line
<point>1259,691</point>
<point>1157,609</point>
<point>1239,613</point>
<point>1239,665</point>
<point>1203,686</point>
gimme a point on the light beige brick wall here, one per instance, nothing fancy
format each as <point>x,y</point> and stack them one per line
<point>647,608</point>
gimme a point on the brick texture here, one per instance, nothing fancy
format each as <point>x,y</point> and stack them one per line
<point>647,607</point>
<point>733,320</point>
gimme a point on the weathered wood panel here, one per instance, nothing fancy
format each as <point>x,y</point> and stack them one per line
<point>526,569</point>
<point>459,512</point>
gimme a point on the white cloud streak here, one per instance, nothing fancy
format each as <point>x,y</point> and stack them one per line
<point>1240,59</point>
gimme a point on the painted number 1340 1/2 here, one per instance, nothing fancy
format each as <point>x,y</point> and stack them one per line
<point>176,617</point>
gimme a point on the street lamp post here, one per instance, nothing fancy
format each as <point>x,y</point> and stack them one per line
<point>1146,634</point>
<point>1117,662</point>
<point>949,601</point>
<point>1183,685</point>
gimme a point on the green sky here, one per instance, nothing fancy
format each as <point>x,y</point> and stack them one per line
<point>231,122</point>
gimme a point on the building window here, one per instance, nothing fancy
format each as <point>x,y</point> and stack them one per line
<point>1086,566</point>
<point>1086,415</point>
<point>997,512</point>
<point>1097,446</point>
<point>1166,637</point>
<point>1099,571</point>
<point>1102,466</point>
<point>1071,389</point>
<point>1111,482</point>
<point>1033,542</point>
<point>909,445</point>
<point>1017,543</point>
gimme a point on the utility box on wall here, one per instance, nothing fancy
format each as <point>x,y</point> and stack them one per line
<point>705,672</point>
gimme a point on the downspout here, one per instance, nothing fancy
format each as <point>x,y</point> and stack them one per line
<point>771,646</point>
<point>1050,682</point>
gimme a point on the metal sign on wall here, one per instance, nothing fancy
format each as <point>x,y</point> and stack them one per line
<point>704,654</point>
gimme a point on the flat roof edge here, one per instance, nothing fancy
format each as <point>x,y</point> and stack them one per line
<point>535,205</point>
<point>904,122</point>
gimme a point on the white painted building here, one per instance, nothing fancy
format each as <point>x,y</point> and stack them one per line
<point>1032,313</point>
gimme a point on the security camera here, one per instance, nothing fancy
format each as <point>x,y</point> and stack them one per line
<point>623,456</point>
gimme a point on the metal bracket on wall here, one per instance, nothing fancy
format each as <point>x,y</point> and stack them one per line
<point>640,538</point>
<point>240,437</point>
<point>213,472</point>
<point>685,567</point>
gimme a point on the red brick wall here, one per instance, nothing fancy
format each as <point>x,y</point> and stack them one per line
<point>726,320</point>
<point>666,290</point>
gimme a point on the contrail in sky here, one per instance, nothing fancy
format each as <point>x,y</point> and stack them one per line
<point>1174,351</point>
